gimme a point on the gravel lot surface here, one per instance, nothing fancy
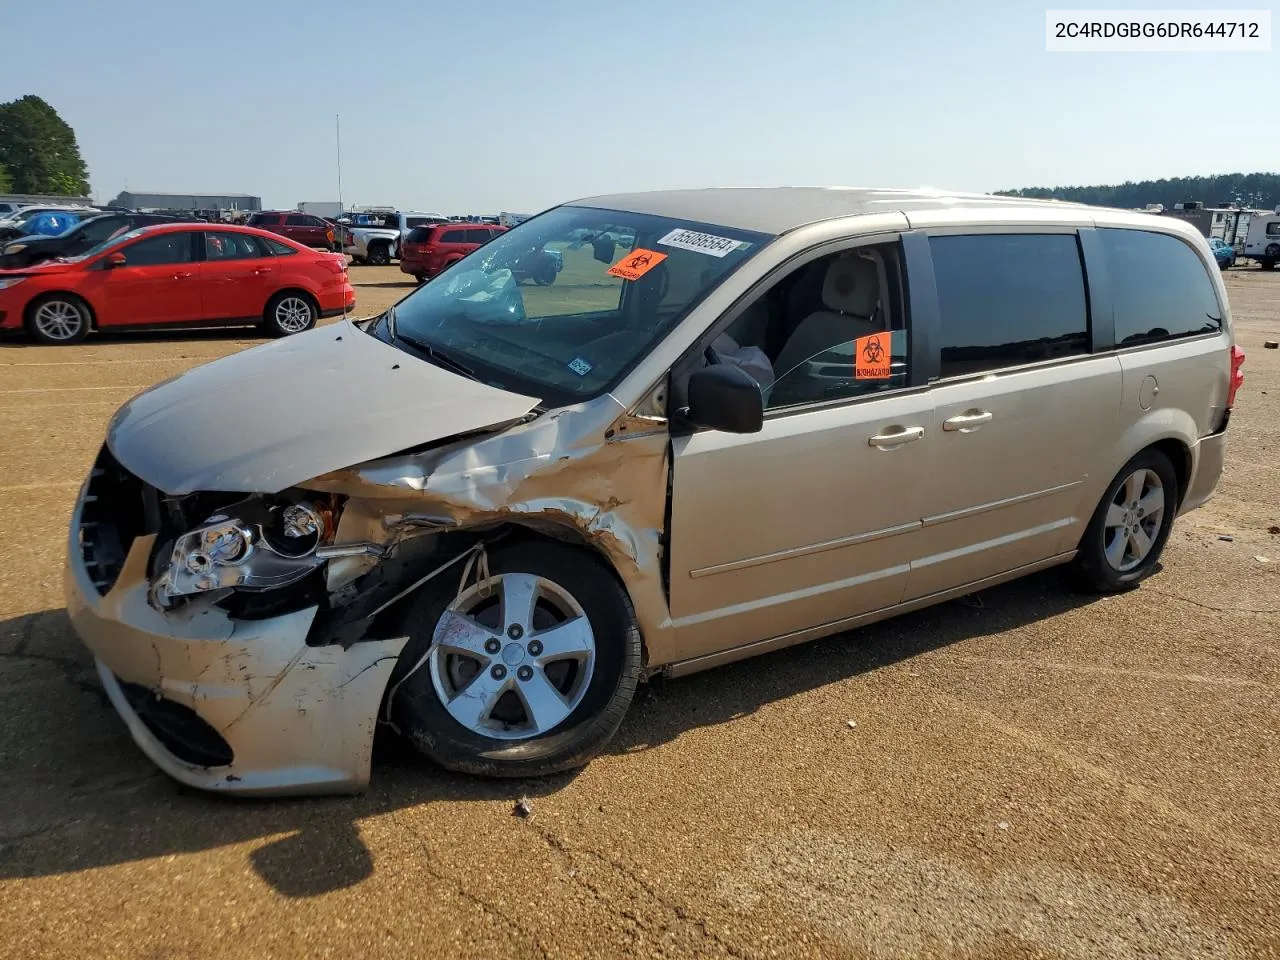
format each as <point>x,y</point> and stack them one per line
<point>1034,773</point>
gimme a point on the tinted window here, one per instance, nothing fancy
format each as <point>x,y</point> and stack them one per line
<point>162,249</point>
<point>298,222</point>
<point>1273,229</point>
<point>262,219</point>
<point>1160,287</point>
<point>1009,299</point>
<point>278,248</point>
<point>231,246</point>
<point>95,232</point>
<point>419,235</point>
<point>456,236</point>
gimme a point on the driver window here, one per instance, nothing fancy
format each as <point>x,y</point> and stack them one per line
<point>831,329</point>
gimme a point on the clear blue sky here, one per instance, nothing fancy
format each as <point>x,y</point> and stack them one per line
<point>506,105</point>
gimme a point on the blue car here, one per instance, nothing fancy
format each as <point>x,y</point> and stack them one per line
<point>1223,252</point>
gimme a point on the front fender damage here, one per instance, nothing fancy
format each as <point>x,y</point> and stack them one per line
<point>554,475</point>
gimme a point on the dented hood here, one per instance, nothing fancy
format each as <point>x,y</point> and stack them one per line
<point>270,417</point>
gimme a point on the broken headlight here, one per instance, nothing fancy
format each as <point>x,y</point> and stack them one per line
<point>253,546</point>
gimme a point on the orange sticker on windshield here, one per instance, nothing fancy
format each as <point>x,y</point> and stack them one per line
<point>636,264</point>
<point>872,358</point>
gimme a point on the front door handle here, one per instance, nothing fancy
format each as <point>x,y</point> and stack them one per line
<point>968,421</point>
<point>896,437</point>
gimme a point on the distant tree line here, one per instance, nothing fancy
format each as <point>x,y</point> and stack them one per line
<point>1260,191</point>
<point>38,151</point>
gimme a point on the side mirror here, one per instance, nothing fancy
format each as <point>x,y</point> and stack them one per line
<point>725,397</point>
<point>116,260</point>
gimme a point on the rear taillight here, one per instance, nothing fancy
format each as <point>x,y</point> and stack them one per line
<point>1237,375</point>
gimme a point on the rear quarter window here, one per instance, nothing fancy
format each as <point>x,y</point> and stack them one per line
<point>1160,287</point>
<point>418,235</point>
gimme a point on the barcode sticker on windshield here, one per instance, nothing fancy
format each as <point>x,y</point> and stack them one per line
<point>707,243</point>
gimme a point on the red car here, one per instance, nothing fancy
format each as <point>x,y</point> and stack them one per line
<point>177,274</point>
<point>302,228</point>
<point>429,249</point>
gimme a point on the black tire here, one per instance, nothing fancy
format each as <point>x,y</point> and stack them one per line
<point>380,254</point>
<point>1267,264</point>
<point>545,273</point>
<point>1092,568</point>
<point>68,305</point>
<point>420,277</point>
<point>275,319</point>
<point>417,709</point>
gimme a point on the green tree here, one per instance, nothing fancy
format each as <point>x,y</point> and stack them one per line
<point>6,182</point>
<point>39,149</point>
<point>1256,190</point>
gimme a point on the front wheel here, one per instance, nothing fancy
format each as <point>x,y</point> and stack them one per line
<point>288,313</point>
<point>1128,531</point>
<point>524,674</point>
<point>58,319</point>
<point>380,255</point>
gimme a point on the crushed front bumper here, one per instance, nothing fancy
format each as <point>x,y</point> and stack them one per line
<point>237,706</point>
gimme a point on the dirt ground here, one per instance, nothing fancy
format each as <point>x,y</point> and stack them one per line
<point>1032,773</point>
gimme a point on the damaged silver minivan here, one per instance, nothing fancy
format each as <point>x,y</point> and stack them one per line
<point>740,419</point>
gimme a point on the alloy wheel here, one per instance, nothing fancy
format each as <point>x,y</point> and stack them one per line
<point>512,657</point>
<point>293,315</point>
<point>58,320</point>
<point>1133,520</point>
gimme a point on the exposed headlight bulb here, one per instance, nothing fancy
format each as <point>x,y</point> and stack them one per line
<point>225,544</point>
<point>301,520</point>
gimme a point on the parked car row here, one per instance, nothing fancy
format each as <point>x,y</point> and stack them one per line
<point>174,274</point>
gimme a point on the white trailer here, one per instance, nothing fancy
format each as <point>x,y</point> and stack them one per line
<point>322,208</point>
<point>1262,242</point>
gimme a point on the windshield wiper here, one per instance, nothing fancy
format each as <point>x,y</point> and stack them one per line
<point>439,357</point>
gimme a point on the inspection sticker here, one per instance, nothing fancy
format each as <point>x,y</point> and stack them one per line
<point>636,264</point>
<point>579,366</point>
<point>707,243</point>
<point>871,360</point>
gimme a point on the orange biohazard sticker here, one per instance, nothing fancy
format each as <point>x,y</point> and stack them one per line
<point>636,264</point>
<point>872,357</point>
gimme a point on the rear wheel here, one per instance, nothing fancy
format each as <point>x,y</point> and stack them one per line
<point>1128,531</point>
<point>1267,264</point>
<point>380,254</point>
<point>420,277</point>
<point>290,312</point>
<point>58,319</point>
<point>527,673</point>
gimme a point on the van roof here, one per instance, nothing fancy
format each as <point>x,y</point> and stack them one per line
<point>776,210</point>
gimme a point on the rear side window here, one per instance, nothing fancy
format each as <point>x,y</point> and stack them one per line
<point>419,235</point>
<point>262,219</point>
<point>1273,229</point>
<point>1009,299</point>
<point>455,236</point>
<point>1160,287</point>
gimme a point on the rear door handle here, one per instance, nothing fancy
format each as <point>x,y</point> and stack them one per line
<point>181,275</point>
<point>896,437</point>
<point>967,422</point>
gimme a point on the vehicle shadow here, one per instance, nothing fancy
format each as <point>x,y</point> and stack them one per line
<point>219,334</point>
<point>77,793</point>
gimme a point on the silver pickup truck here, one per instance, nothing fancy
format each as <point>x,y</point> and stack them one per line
<point>379,244</point>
